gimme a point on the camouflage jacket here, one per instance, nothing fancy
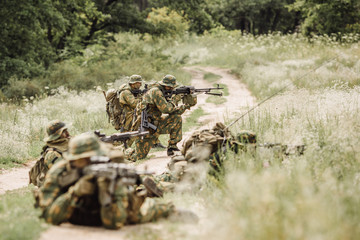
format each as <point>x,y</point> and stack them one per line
<point>59,203</point>
<point>54,151</point>
<point>129,102</point>
<point>156,104</point>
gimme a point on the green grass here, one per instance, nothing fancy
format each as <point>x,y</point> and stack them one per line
<point>192,120</point>
<point>211,77</point>
<point>18,218</point>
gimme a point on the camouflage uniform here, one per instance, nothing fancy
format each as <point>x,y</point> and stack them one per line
<point>204,146</point>
<point>66,196</point>
<point>56,145</point>
<point>156,105</point>
<point>129,101</point>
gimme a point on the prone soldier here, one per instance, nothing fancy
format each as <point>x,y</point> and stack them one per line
<point>69,194</point>
<point>207,146</point>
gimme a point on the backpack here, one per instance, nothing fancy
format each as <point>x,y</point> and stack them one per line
<point>38,171</point>
<point>114,109</point>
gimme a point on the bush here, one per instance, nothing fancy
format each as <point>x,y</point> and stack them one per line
<point>22,88</point>
<point>167,23</point>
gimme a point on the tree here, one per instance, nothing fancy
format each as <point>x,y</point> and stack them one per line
<point>254,16</point>
<point>192,10</point>
<point>36,33</point>
<point>328,16</point>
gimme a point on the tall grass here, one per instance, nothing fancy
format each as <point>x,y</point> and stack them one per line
<point>315,195</point>
<point>269,62</point>
<point>18,218</point>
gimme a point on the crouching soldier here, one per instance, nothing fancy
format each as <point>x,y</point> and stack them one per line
<point>69,194</point>
<point>164,115</point>
<point>57,143</point>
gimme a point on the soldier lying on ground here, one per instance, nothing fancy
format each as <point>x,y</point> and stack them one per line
<point>208,145</point>
<point>68,195</point>
<point>56,144</point>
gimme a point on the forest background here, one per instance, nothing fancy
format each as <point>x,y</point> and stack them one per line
<point>43,41</point>
<point>57,56</point>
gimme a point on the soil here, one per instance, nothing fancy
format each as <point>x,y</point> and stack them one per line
<point>238,100</point>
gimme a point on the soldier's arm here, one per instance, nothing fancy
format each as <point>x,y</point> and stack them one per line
<point>127,98</point>
<point>161,103</point>
<point>57,207</point>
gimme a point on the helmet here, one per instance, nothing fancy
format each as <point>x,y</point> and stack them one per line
<point>54,130</point>
<point>83,146</point>
<point>135,79</point>
<point>168,80</point>
<point>246,136</point>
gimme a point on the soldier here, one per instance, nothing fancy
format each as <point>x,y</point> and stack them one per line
<point>156,105</point>
<point>206,146</point>
<point>56,144</point>
<point>69,196</point>
<point>129,98</point>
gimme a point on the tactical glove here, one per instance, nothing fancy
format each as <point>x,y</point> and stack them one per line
<point>190,99</point>
<point>84,186</point>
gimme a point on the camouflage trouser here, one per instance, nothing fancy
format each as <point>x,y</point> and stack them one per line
<point>129,208</point>
<point>171,124</point>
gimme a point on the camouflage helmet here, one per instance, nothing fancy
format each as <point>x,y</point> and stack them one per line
<point>84,146</point>
<point>54,130</point>
<point>135,79</point>
<point>246,136</point>
<point>168,80</point>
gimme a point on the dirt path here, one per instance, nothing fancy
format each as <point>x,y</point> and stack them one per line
<point>238,99</point>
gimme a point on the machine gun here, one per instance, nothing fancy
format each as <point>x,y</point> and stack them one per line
<point>120,137</point>
<point>192,90</point>
<point>126,174</point>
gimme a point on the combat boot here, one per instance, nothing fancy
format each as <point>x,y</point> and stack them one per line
<point>172,149</point>
<point>158,145</point>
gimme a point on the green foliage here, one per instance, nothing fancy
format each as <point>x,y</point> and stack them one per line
<point>18,218</point>
<point>167,23</point>
<point>211,77</point>
<point>257,17</point>
<point>193,11</point>
<point>328,17</point>
<point>193,119</point>
<point>24,88</point>
<point>35,34</point>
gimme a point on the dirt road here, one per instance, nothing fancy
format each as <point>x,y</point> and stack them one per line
<point>239,99</point>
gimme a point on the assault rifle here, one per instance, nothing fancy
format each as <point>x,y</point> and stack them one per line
<point>120,137</point>
<point>145,122</point>
<point>285,149</point>
<point>192,90</point>
<point>117,173</point>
